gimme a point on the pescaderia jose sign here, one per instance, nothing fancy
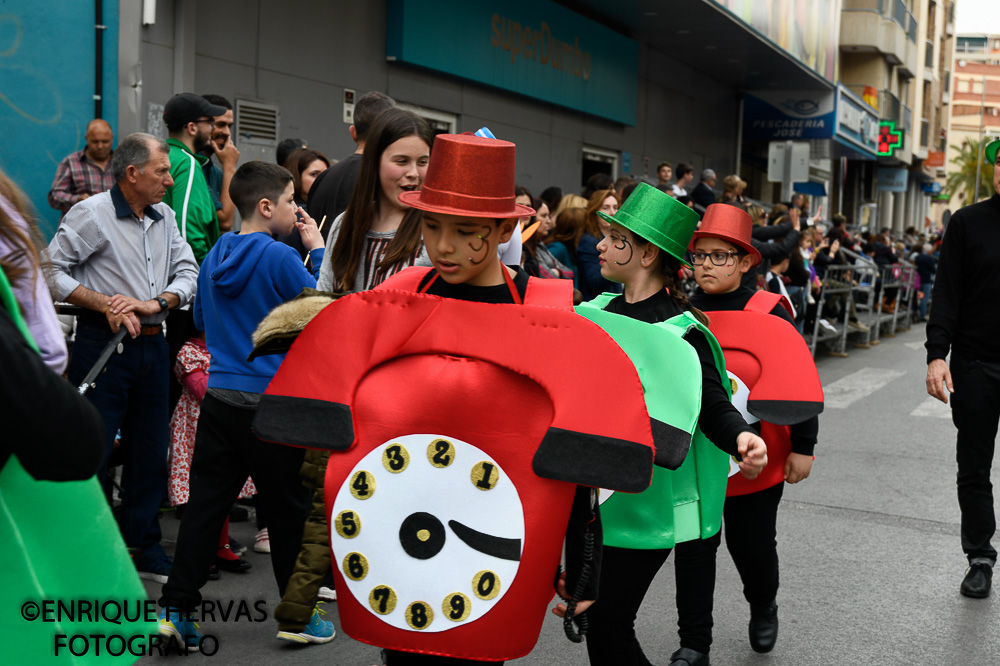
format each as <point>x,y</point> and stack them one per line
<point>539,49</point>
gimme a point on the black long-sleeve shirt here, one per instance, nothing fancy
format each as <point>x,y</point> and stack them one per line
<point>719,420</point>
<point>805,434</point>
<point>965,318</point>
<point>771,241</point>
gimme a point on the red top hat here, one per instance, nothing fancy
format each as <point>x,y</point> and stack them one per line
<point>731,225</point>
<point>469,176</point>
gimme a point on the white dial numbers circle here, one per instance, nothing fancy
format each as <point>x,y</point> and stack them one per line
<point>443,534</point>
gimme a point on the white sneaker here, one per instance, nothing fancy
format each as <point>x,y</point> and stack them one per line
<point>327,594</point>
<point>262,542</point>
<point>827,325</point>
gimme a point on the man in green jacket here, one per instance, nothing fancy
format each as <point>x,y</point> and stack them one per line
<point>190,119</point>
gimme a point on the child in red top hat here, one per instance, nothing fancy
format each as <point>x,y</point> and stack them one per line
<point>455,454</point>
<point>776,386</point>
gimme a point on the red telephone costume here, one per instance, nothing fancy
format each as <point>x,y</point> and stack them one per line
<point>459,431</point>
<point>771,360</point>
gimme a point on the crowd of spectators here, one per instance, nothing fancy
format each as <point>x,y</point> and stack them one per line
<point>138,222</point>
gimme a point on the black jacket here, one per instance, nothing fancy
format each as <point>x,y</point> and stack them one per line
<point>965,317</point>
<point>56,433</point>
<point>703,195</point>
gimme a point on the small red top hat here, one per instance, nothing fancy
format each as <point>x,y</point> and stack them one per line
<point>731,225</point>
<point>470,176</point>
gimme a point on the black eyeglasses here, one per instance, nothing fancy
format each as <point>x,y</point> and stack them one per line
<point>204,120</point>
<point>718,258</point>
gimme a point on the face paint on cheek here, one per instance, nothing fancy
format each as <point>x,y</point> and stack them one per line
<point>631,251</point>
<point>485,245</point>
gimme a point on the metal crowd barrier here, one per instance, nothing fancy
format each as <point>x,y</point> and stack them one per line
<point>865,275</point>
<point>906,305</point>
<point>836,280</point>
<point>892,277</point>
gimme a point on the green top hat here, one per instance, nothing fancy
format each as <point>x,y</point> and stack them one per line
<point>991,151</point>
<point>659,218</point>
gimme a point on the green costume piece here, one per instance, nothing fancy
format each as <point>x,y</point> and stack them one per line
<point>684,504</point>
<point>61,544</point>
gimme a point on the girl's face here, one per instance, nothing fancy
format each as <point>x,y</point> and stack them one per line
<point>719,279</point>
<point>620,260</point>
<point>609,207</point>
<point>525,200</point>
<point>402,168</point>
<point>309,175</point>
<point>545,221</point>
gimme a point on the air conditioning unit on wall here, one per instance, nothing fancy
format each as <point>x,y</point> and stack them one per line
<point>256,130</point>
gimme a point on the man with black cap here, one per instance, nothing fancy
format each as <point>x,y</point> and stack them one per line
<point>190,120</point>
<point>964,321</point>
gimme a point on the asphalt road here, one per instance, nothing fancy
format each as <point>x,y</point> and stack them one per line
<point>869,545</point>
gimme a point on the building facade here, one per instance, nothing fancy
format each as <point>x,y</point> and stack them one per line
<point>895,54</point>
<point>579,86</point>
<point>975,100</point>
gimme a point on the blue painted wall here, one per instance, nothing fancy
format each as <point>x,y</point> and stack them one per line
<point>47,89</point>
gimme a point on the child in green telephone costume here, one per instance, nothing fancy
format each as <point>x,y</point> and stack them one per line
<point>683,374</point>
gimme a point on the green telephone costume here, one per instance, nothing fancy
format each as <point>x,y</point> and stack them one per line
<point>61,544</point>
<point>686,503</point>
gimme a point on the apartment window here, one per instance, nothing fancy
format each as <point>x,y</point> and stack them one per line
<point>977,86</point>
<point>963,85</point>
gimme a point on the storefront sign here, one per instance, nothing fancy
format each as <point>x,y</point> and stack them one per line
<point>857,123</point>
<point>536,48</point>
<point>889,179</point>
<point>795,115</point>
<point>932,187</point>
<point>889,138</point>
<point>935,158</point>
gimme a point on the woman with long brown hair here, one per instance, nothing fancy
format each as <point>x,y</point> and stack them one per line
<point>378,235</point>
<point>20,261</point>
<point>588,262</point>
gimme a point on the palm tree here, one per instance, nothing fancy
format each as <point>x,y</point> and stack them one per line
<point>962,179</point>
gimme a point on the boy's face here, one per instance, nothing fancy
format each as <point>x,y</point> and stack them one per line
<point>720,279</point>
<point>283,217</point>
<point>464,249</point>
<point>620,259</point>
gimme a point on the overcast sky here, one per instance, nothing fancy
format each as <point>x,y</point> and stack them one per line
<point>977,16</point>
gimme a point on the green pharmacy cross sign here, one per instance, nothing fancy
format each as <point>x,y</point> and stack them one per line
<point>889,139</point>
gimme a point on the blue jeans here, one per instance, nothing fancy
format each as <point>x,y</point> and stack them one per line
<point>797,295</point>
<point>926,288</point>
<point>131,395</point>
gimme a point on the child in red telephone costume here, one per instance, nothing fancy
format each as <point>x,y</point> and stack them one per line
<point>456,455</point>
<point>776,386</point>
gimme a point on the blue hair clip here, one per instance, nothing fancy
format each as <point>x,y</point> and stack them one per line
<point>485,133</point>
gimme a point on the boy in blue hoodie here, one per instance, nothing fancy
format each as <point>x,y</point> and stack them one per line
<point>243,277</point>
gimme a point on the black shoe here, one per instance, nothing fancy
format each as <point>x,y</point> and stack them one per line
<point>239,565</point>
<point>237,547</point>
<point>763,627</point>
<point>977,581</point>
<point>214,573</point>
<point>688,657</point>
